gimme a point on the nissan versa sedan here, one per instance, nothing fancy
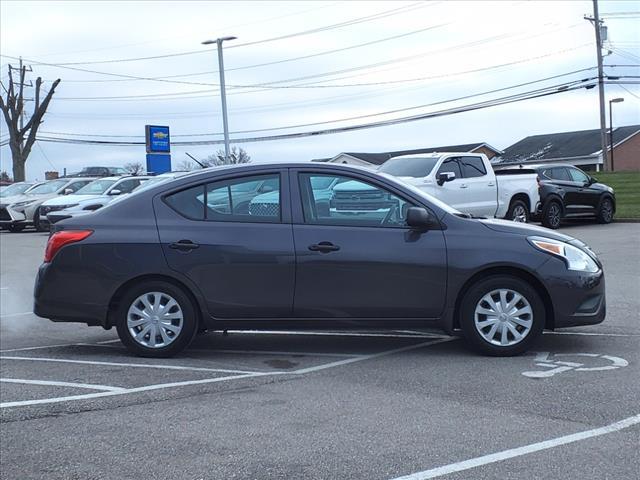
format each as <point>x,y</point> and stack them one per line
<point>188,255</point>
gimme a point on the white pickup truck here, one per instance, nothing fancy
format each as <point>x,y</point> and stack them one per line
<point>467,182</point>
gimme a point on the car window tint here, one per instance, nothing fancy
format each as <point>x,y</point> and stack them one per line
<point>127,186</point>
<point>560,173</point>
<point>75,186</point>
<point>409,167</point>
<point>341,200</point>
<point>188,203</point>
<point>248,199</point>
<point>472,167</point>
<point>450,165</point>
<point>577,175</point>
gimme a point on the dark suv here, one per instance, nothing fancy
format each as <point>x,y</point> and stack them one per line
<point>568,192</point>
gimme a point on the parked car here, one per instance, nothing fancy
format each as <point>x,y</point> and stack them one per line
<point>93,203</point>
<point>100,172</point>
<point>89,195</point>
<point>17,188</point>
<point>568,192</point>
<point>467,182</point>
<point>165,262</point>
<point>19,211</point>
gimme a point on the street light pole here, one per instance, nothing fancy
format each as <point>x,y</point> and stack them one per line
<point>611,102</point>
<point>223,93</point>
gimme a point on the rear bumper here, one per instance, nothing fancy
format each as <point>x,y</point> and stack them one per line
<point>53,302</point>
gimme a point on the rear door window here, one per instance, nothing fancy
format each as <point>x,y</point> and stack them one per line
<point>472,167</point>
<point>560,173</point>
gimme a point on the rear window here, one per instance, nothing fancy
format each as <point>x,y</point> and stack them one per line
<point>409,167</point>
<point>472,167</point>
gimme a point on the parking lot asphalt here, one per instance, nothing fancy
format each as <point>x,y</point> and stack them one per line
<point>326,405</point>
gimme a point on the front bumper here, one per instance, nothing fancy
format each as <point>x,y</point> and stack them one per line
<point>10,216</point>
<point>578,298</point>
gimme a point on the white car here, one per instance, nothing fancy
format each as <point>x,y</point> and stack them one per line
<point>109,187</point>
<point>467,182</point>
<point>20,211</point>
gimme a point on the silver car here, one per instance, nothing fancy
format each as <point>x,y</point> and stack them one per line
<point>18,211</point>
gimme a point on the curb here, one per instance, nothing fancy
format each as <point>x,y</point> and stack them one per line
<point>626,220</point>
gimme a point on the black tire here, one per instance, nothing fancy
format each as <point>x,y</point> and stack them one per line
<point>605,212</point>
<point>36,221</point>
<point>473,298</point>
<point>179,342</point>
<point>15,228</point>
<point>552,215</point>
<point>518,212</point>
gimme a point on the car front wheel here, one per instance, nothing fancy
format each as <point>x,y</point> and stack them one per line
<point>156,319</point>
<point>605,213</point>
<point>502,315</point>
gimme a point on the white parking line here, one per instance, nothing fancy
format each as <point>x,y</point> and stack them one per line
<point>373,355</point>
<point>273,352</point>
<point>595,334</point>
<point>124,391</point>
<point>525,450</point>
<point>90,386</point>
<point>134,365</point>
<point>7,315</point>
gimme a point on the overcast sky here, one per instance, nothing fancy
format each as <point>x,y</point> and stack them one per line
<point>363,59</point>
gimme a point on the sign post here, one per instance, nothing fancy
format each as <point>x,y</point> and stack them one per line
<point>158,143</point>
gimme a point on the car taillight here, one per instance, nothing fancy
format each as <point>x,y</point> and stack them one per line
<point>62,238</point>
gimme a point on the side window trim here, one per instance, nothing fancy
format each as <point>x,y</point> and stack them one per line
<point>285,201</point>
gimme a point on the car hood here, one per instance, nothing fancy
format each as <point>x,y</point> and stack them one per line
<point>526,229</point>
<point>20,198</point>
<point>67,199</point>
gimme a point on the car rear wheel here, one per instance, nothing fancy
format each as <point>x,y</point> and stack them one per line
<point>502,315</point>
<point>518,212</point>
<point>605,213</point>
<point>552,215</point>
<point>156,319</point>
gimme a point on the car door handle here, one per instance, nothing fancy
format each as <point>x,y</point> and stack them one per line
<point>184,245</point>
<point>324,247</point>
<point>491,184</point>
<point>464,185</point>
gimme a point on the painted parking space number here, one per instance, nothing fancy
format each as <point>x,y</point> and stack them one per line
<point>588,362</point>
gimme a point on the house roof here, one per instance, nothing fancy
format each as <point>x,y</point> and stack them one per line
<point>380,158</point>
<point>563,145</point>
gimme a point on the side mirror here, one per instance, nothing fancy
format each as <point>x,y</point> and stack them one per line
<point>67,191</point>
<point>592,180</point>
<point>115,192</point>
<point>418,217</point>
<point>444,177</point>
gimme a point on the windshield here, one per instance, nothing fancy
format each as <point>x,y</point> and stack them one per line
<point>422,194</point>
<point>97,187</point>
<point>409,167</point>
<point>15,189</point>
<point>49,187</point>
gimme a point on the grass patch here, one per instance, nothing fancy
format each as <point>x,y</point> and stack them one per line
<point>627,188</point>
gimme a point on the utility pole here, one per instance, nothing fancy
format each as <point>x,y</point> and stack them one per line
<point>223,92</point>
<point>597,24</point>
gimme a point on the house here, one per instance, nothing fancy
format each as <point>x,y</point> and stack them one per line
<point>581,148</point>
<point>375,159</point>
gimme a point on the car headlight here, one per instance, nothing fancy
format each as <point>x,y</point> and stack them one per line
<point>575,258</point>
<point>23,204</point>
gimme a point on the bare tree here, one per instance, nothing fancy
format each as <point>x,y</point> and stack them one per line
<point>187,166</point>
<point>4,177</point>
<point>237,155</point>
<point>22,137</point>
<point>134,168</point>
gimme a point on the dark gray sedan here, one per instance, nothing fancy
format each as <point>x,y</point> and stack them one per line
<point>259,246</point>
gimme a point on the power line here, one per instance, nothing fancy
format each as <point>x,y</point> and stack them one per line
<point>495,102</point>
<point>384,14</point>
<point>465,97</point>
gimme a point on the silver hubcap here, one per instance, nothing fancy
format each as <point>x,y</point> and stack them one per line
<point>154,319</point>
<point>520,214</point>
<point>503,317</point>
